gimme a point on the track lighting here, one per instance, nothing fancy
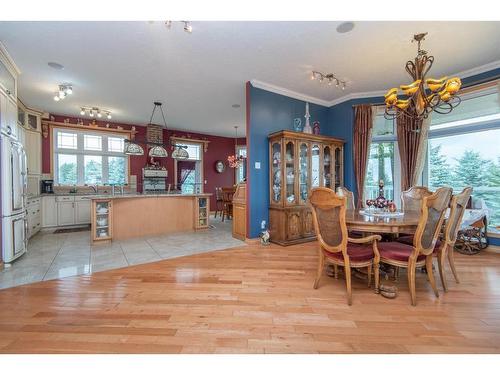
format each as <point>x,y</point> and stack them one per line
<point>95,111</point>
<point>330,78</point>
<point>187,26</point>
<point>63,91</point>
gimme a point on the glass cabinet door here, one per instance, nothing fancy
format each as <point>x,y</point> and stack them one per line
<point>303,172</point>
<point>276,172</point>
<point>290,172</point>
<point>327,167</point>
<point>338,168</point>
<point>315,167</point>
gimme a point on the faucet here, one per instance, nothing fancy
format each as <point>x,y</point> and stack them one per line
<point>94,187</point>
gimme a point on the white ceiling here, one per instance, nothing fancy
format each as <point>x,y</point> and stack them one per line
<point>125,66</point>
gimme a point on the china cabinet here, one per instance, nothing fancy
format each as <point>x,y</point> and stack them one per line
<point>101,221</point>
<point>299,162</point>
<point>201,212</point>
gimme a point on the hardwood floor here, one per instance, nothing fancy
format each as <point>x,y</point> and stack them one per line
<point>250,300</point>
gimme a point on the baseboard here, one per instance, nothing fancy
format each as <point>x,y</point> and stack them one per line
<point>252,241</point>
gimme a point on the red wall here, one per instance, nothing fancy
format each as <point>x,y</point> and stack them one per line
<point>219,148</point>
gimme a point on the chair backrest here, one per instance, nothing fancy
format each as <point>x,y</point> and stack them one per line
<point>433,209</point>
<point>412,198</point>
<point>328,211</point>
<point>349,196</point>
<point>218,193</point>
<point>457,209</point>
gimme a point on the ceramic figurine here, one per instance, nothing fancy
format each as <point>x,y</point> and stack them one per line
<point>316,128</point>
<point>307,127</point>
<point>264,238</point>
<point>297,124</point>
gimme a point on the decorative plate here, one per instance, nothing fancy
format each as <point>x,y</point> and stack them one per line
<point>220,166</point>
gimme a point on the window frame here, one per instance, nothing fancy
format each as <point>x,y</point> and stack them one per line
<point>199,163</point>
<point>80,153</point>
<point>390,138</point>
<point>473,127</point>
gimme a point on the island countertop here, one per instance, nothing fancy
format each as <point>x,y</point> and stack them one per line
<point>117,217</point>
<point>141,195</point>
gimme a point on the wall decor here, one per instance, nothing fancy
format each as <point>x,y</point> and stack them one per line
<point>297,124</point>
<point>316,128</point>
<point>220,166</point>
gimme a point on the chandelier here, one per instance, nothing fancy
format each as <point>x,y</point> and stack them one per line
<point>329,78</point>
<point>423,95</point>
<point>233,160</point>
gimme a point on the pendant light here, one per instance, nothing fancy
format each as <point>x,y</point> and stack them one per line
<point>133,149</point>
<point>157,150</point>
<point>180,153</point>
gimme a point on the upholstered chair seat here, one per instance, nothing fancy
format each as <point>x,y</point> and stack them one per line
<point>397,251</point>
<point>356,253</point>
<point>408,240</point>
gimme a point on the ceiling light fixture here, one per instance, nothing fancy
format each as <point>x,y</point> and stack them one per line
<point>423,95</point>
<point>63,91</point>
<point>188,28</point>
<point>157,150</point>
<point>329,78</point>
<point>95,111</point>
<point>234,160</point>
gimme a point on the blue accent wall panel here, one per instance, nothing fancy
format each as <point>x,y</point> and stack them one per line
<point>270,112</point>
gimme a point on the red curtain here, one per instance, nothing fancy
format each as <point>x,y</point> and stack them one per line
<point>409,134</point>
<point>363,124</point>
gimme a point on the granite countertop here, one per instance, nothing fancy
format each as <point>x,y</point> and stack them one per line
<point>122,196</point>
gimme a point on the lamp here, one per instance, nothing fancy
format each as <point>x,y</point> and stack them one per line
<point>234,160</point>
<point>132,148</point>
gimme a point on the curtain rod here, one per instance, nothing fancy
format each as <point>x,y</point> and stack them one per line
<point>467,86</point>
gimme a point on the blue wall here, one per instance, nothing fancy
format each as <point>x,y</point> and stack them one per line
<point>269,112</point>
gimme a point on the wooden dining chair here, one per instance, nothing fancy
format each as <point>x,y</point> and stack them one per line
<point>349,196</point>
<point>411,199</point>
<point>411,257</point>
<point>219,201</point>
<point>335,246</point>
<point>227,201</point>
<point>444,248</point>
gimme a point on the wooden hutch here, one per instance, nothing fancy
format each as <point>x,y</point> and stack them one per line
<point>299,162</point>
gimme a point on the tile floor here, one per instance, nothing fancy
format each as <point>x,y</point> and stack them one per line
<point>53,256</point>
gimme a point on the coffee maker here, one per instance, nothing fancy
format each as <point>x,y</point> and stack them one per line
<point>47,186</point>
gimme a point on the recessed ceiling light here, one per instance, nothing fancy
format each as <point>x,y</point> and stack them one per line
<point>345,27</point>
<point>55,65</point>
<point>236,106</point>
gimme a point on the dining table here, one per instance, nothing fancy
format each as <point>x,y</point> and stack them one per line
<point>371,222</point>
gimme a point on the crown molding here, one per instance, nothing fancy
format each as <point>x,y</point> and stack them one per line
<point>292,94</point>
<point>5,56</point>
<point>360,95</point>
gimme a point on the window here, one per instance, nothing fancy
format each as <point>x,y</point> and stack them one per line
<point>383,160</point>
<point>85,157</point>
<point>463,150</point>
<point>241,171</point>
<point>189,172</point>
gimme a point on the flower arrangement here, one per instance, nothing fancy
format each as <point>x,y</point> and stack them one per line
<point>234,161</point>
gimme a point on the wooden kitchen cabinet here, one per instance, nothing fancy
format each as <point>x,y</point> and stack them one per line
<point>298,163</point>
<point>201,212</point>
<point>102,220</point>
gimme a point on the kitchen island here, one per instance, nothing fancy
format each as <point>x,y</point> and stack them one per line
<point>125,216</point>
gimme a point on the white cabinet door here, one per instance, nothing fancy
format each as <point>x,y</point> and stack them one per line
<point>82,211</point>
<point>12,118</point>
<point>3,112</point>
<point>34,151</point>
<point>49,212</point>
<point>65,213</point>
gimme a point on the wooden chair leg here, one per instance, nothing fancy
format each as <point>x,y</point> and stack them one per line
<point>451,260</point>
<point>441,256</point>
<point>321,265</point>
<point>430,273</point>
<point>369,275</point>
<point>336,271</point>
<point>377,276</point>
<point>347,273</point>
<point>411,282</point>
